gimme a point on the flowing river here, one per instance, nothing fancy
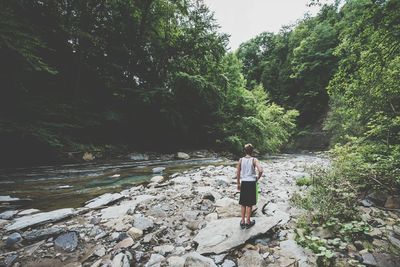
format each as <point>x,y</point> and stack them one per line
<point>52,187</point>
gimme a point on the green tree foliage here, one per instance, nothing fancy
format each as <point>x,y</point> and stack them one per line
<point>150,74</point>
<point>365,94</point>
<point>296,64</point>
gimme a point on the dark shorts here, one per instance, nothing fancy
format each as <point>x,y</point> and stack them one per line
<point>247,193</point>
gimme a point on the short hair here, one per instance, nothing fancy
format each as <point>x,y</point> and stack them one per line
<point>248,149</point>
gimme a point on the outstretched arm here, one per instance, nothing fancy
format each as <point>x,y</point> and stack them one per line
<point>259,168</point>
<point>238,167</point>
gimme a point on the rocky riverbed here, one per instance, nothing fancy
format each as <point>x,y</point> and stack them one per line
<point>190,219</point>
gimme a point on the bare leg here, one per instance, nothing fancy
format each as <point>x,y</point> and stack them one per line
<point>248,213</point>
<point>243,213</point>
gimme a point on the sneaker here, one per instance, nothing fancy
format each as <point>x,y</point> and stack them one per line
<point>242,225</point>
<point>251,224</point>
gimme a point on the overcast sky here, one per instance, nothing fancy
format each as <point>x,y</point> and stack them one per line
<point>244,19</point>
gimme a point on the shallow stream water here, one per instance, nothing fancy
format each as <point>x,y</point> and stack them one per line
<point>70,186</point>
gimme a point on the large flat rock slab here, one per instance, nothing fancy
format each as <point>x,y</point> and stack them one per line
<point>222,235</point>
<point>39,218</point>
<point>103,200</point>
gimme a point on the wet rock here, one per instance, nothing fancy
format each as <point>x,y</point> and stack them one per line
<point>157,179</point>
<point>120,260</point>
<point>366,203</point>
<point>251,258</point>
<point>8,198</point>
<point>138,156</point>
<point>13,239</point>
<point>386,260</point>
<point>164,249</point>
<point>175,261</point>
<point>155,260</point>
<point>158,169</point>
<point>196,260</point>
<point>143,223</point>
<point>135,233</point>
<point>222,235</point>
<point>8,214</point>
<point>39,218</point>
<point>392,202</point>
<point>126,243</point>
<point>103,200</point>
<point>66,242</point>
<point>378,198</point>
<point>182,155</point>
<point>28,212</point>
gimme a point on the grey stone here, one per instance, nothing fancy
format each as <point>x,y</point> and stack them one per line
<point>158,169</point>
<point>66,242</point>
<point>103,200</point>
<point>28,212</point>
<point>126,243</point>
<point>222,235</point>
<point>13,239</point>
<point>164,249</point>
<point>141,222</point>
<point>194,259</point>
<point>10,260</point>
<point>40,218</point>
<point>175,261</point>
<point>155,260</point>
<point>182,155</point>
<point>120,260</point>
<point>289,248</point>
<point>228,263</point>
<point>8,198</point>
<point>42,233</point>
<point>368,259</point>
<point>8,214</point>
<point>251,258</point>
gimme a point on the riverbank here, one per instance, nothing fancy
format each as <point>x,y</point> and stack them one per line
<point>190,218</point>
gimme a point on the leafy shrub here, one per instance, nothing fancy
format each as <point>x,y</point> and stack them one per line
<point>303,181</point>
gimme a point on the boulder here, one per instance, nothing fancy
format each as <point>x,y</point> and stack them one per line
<point>141,222</point>
<point>8,199</point>
<point>88,156</point>
<point>138,156</point>
<point>66,242</point>
<point>392,202</point>
<point>227,207</point>
<point>164,249</point>
<point>39,218</point>
<point>176,261</point>
<point>158,169</point>
<point>13,239</point>
<point>289,248</point>
<point>157,179</point>
<point>117,211</point>
<point>126,243</point>
<point>135,233</point>
<point>42,233</point>
<point>120,260</point>
<point>155,260</point>
<point>10,260</point>
<point>228,263</point>
<point>182,155</point>
<point>103,200</point>
<point>196,260</point>
<point>222,235</point>
<point>28,212</point>
<point>8,214</point>
<point>251,258</point>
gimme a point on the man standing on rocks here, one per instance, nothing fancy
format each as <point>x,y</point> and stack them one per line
<point>246,184</point>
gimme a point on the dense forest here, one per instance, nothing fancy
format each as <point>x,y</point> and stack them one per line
<point>117,76</point>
